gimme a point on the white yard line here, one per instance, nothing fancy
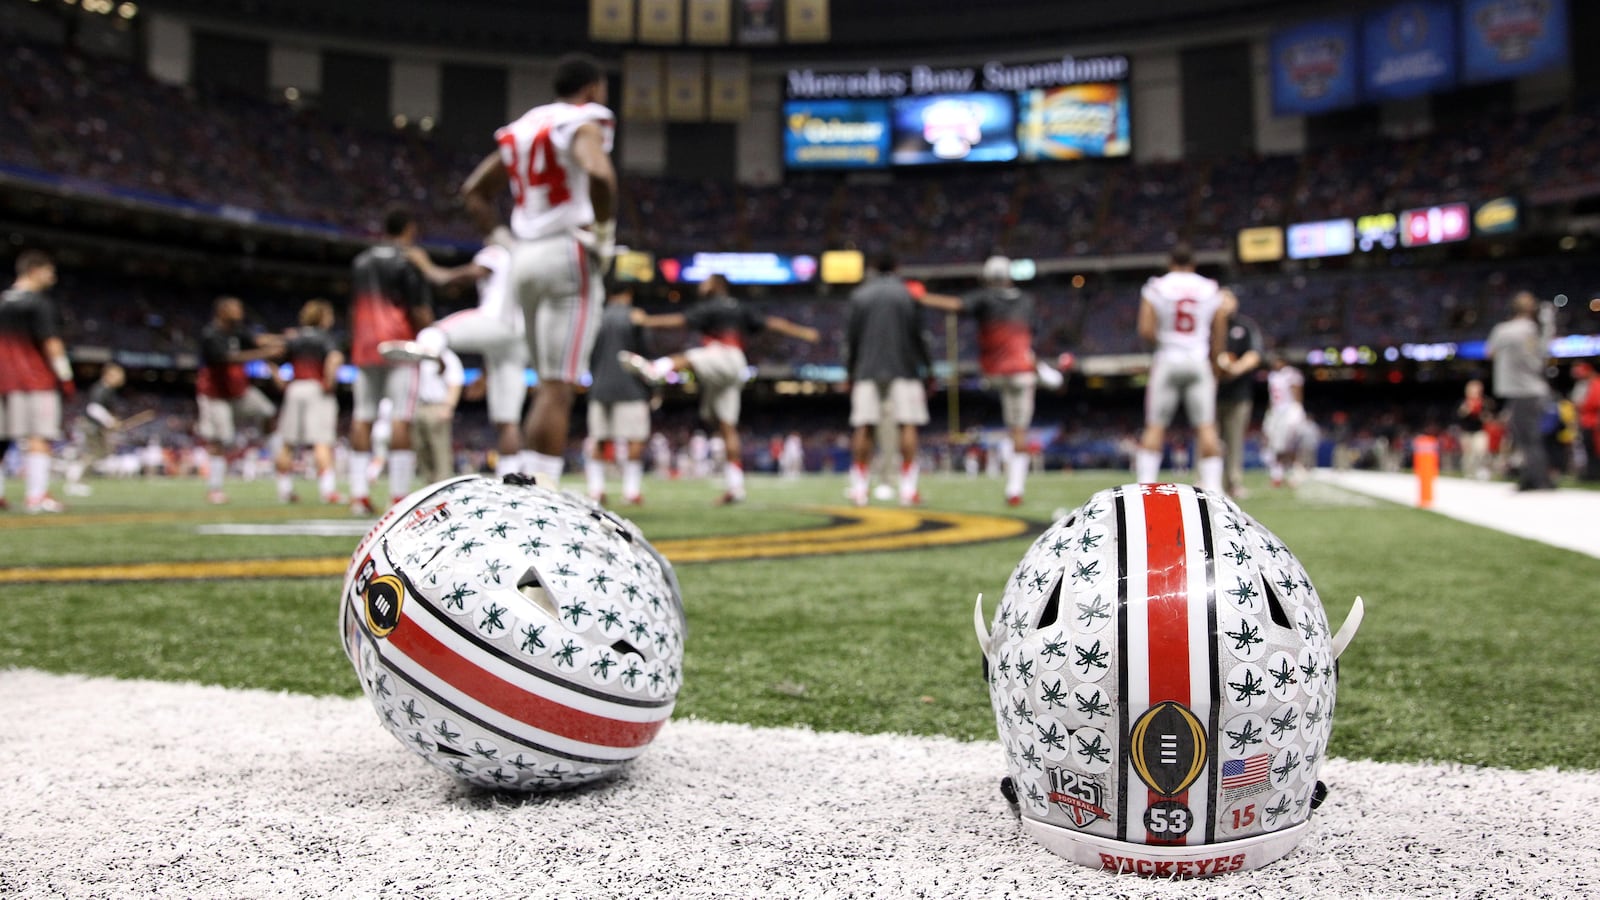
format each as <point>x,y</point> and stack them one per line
<point>1562,518</point>
<point>138,789</point>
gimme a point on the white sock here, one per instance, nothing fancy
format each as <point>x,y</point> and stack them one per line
<point>327,484</point>
<point>543,464</point>
<point>908,481</point>
<point>1210,469</point>
<point>594,474</point>
<point>285,486</point>
<point>432,339</point>
<point>526,460</point>
<point>75,472</point>
<point>360,462</point>
<point>216,470</point>
<point>507,464</point>
<point>1016,474</point>
<point>733,475</point>
<point>35,475</point>
<point>402,468</point>
<point>2,476</point>
<point>1147,466</point>
<point>859,480</point>
<point>632,479</point>
<point>1275,470</point>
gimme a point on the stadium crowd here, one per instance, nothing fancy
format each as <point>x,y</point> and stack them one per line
<point>287,161</point>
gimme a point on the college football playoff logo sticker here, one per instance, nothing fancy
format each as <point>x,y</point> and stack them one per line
<point>382,600</point>
<point>1168,747</point>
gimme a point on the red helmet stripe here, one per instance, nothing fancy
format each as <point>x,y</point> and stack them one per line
<point>516,702</point>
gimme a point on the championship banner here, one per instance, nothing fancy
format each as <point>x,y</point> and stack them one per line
<point>686,87</point>
<point>729,87</point>
<point>758,22</point>
<point>611,21</point>
<point>807,22</point>
<point>660,21</point>
<point>710,22</point>
<point>1503,39</point>
<point>643,95</point>
<point>1408,50</point>
<point>1314,67</point>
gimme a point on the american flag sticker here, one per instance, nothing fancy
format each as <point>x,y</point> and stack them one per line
<point>1242,777</point>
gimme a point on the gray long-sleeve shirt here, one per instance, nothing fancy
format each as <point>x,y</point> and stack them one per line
<point>1518,353</point>
<point>883,337</point>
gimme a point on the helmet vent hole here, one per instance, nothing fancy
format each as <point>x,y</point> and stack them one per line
<point>1052,607</point>
<point>530,586</point>
<point>623,648</point>
<point>1274,606</point>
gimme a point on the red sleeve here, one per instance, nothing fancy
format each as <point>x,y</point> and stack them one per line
<point>918,289</point>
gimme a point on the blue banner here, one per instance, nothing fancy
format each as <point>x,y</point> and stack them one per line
<point>1408,50</point>
<point>1510,38</point>
<point>1314,67</point>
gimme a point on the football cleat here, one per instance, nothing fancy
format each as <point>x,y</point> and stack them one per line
<point>405,352</point>
<point>45,504</point>
<point>1014,500</point>
<point>514,636</point>
<point>1163,680</point>
<point>362,506</point>
<point>216,498</point>
<point>639,366</point>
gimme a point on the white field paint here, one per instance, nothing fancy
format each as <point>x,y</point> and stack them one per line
<point>142,789</point>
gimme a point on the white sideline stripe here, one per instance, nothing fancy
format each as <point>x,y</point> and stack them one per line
<point>503,670</point>
<point>116,788</point>
<point>1569,519</point>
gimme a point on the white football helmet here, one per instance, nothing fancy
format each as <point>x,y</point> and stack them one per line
<point>515,636</point>
<point>1163,679</point>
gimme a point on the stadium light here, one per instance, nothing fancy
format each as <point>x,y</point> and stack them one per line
<point>128,10</point>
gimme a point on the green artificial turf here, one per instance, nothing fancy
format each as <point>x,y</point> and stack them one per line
<point>1477,647</point>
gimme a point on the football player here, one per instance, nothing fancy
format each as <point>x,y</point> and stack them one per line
<point>1184,315</point>
<point>556,162</point>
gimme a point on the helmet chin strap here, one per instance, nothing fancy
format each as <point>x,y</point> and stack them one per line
<point>980,628</point>
<point>1347,631</point>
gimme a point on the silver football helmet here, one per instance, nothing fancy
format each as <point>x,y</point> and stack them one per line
<point>517,637</point>
<point>1163,680</point>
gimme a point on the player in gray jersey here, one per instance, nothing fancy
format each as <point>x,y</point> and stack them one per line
<point>886,357</point>
<point>719,363</point>
<point>619,402</point>
<point>310,416</point>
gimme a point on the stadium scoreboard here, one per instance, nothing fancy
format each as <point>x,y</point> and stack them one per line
<point>1061,109</point>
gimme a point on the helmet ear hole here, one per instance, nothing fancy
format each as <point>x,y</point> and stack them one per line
<point>1275,606</point>
<point>1052,607</point>
<point>532,587</point>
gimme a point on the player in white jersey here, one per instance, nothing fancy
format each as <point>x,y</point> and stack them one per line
<point>556,162</point>
<point>494,329</point>
<point>1184,315</point>
<point>1285,420</point>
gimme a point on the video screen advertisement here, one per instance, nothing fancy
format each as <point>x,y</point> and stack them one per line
<point>836,134</point>
<point>953,128</point>
<point>1081,121</point>
<point>1064,108</point>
